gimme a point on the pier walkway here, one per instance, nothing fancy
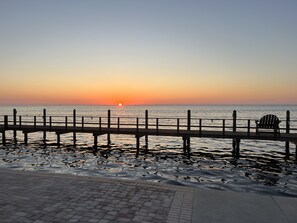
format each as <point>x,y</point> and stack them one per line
<point>44,197</point>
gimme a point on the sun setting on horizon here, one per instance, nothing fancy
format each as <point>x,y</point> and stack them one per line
<point>225,52</point>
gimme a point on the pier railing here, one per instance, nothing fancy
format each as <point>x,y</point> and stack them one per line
<point>185,127</point>
<point>146,122</point>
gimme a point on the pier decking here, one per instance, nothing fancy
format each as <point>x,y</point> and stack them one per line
<point>185,128</point>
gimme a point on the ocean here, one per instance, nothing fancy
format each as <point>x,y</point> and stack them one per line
<point>261,168</point>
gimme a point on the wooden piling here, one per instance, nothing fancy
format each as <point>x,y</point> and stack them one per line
<point>223,127</point>
<point>5,122</point>
<point>137,145</point>
<point>26,138</point>
<point>200,127</point>
<point>58,139</point>
<point>3,138</point>
<point>146,128</point>
<point>234,115</point>
<point>108,126</point>
<point>95,147</point>
<point>189,128</point>
<point>287,143</point>
<point>74,125</point>
<point>14,123</point>
<point>44,124</point>
<point>249,128</point>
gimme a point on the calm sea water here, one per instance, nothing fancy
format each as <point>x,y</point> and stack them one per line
<point>262,167</point>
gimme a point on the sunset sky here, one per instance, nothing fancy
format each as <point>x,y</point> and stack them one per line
<point>148,52</point>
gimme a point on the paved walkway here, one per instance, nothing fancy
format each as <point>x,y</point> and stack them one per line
<point>42,197</point>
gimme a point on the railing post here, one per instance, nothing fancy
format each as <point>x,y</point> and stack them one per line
<point>287,131</point>
<point>34,122</point>
<point>235,141</point>
<point>137,125</point>
<point>178,126</point>
<point>157,125</point>
<point>5,121</point>
<point>44,124</point>
<point>82,123</point>
<point>189,120</point>
<point>118,124</point>
<point>200,126</point>
<point>234,120</point>
<point>146,128</point>
<point>14,122</point>
<point>74,125</point>
<point>223,127</point>
<point>66,123</point>
<point>50,120</point>
<point>20,121</point>
<point>100,124</point>
<point>108,126</point>
<point>249,127</point>
<point>189,128</point>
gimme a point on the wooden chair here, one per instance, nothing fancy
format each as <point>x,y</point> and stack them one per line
<point>268,122</point>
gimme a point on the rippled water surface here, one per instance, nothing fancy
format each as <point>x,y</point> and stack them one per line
<point>262,167</point>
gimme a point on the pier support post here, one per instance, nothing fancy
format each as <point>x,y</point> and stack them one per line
<point>14,123</point>
<point>74,125</point>
<point>5,127</point>
<point>186,144</point>
<point>3,138</point>
<point>287,144</point>
<point>234,115</point>
<point>188,128</point>
<point>137,145</point>
<point>44,124</point>
<point>108,127</point>
<point>26,138</point>
<point>146,128</point>
<point>95,147</point>
<point>58,139</point>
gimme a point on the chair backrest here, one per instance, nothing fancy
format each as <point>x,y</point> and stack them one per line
<point>269,121</point>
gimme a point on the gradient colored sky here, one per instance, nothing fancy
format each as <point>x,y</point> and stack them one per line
<point>148,52</point>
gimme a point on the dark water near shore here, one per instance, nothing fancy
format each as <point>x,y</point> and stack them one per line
<point>262,167</point>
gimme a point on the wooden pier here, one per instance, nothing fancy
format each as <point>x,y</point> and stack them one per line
<point>185,128</point>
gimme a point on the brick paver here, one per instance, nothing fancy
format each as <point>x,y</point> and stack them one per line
<point>43,197</point>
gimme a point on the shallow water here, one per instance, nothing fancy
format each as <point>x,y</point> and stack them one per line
<point>262,167</point>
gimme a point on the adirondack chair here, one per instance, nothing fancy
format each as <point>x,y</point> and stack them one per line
<point>268,122</point>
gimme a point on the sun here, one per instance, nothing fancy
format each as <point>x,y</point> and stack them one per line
<point>120,104</point>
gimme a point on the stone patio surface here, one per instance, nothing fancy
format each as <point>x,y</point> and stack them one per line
<point>38,197</point>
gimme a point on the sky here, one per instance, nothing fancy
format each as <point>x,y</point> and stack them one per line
<point>148,52</point>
